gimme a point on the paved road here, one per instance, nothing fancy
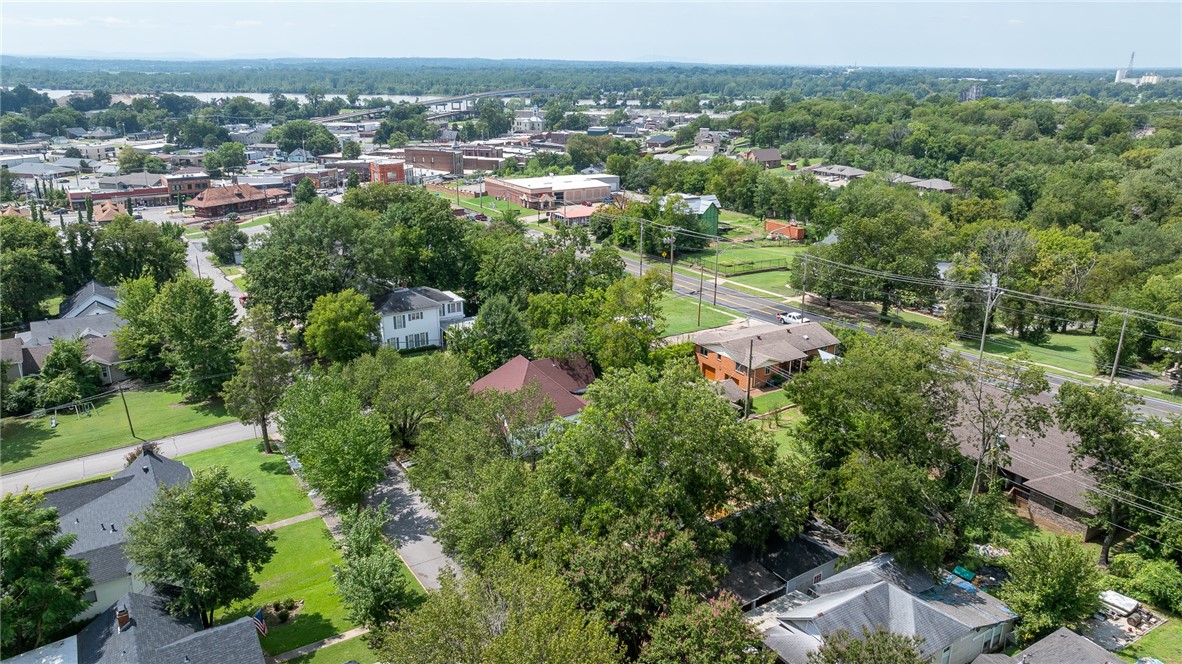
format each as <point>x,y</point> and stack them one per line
<point>411,526</point>
<point>765,308</point>
<point>111,461</point>
<point>200,264</point>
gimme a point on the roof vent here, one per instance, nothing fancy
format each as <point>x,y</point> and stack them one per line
<point>122,616</point>
<point>806,336</point>
<point>145,467</point>
<point>103,526</point>
<point>112,527</point>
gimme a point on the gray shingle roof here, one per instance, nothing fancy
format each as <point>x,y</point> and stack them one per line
<point>401,300</point>
<point>1063,645</point>
<point>773,344</point>
<point>86,292</point>
<point>155,637</point>
<point>88,511</point>
<point>43,332</point>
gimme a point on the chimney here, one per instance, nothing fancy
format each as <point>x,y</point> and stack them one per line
<point>122,616</point>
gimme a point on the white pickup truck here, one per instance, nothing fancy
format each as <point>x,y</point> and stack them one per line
<point>790,318</point>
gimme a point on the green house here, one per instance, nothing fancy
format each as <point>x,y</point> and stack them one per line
<point>706,207</point>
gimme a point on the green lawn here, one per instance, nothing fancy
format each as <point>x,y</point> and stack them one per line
<point>155,413</point>
<point>765,403</point>
<point>1066,351</point>
<point>276,490</point>
<point>1164,643</point>
<point>301,570</point>
<point>352,650</point>
<point>775,281</point>
<point>681,315</point>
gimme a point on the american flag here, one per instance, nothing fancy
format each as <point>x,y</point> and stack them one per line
<point>260,623</point>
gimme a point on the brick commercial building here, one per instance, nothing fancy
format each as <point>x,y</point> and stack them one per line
<point>435,159</point>
<point>186,184</point>
<point>390,171</point>
<point>217,201</point>
<point>548,192</point>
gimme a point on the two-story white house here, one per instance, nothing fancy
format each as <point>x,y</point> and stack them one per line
<point>418,316</point>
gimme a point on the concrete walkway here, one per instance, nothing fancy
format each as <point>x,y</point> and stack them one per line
<point>111,461</point>
<point>287,522</point>
<point>312,647</point>
<point>411,526</point>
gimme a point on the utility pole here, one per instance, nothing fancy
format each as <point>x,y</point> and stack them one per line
<point>804,279</point>
<point>127,412</point>
<point>701,285</point>
<point>671,239</point>
<point>717,251</point>
<point>1119,344</point>
<point>750,377</point>
<point>641,249</point>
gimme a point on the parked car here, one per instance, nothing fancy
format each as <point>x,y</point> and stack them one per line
<point>137,216</point>
<point>939,310</point>
<point>790,318</point>
<point>233,216</point>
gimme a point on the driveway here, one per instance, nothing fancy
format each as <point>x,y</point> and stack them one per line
<point>411,526</point>
<point>111,461</point>
<point>200,264</point>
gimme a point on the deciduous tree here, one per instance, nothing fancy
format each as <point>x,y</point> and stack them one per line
<point>694,631</point>
<point>200,337</point>
<point>372,579</point>
<point>200,539</point>
<point>1052,584</point>
<point>507,613</point>
<point>873,647</point>
<point>341,326</point>
<point>264,371</point>
<point>127,249</point>
<point>41,588</point>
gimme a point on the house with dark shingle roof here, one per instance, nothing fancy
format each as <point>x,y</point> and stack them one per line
<point>217,201</point>
<point>765,157</point>
<point>1062,645</point>
<point>138,629</point>
<point>92,299</point>
<point>956,622</point>
<point>418,316</point>
<point>98,515</point>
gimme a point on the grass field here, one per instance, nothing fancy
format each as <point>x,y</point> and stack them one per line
<point>301,570</point>
<point>1066,351</point>
<point>276,490</point>
<point>353,650</point>
<point>155,413</point>
<point>775,281</point>
<point>681,315</point>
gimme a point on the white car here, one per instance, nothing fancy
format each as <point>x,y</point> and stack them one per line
<point>790,318</point>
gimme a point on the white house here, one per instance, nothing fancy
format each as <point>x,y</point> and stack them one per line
<point>418,316</point>
<point>98,516</point>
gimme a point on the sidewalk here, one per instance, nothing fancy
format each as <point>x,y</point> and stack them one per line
<point>312,647</point>
<point>410,528</point>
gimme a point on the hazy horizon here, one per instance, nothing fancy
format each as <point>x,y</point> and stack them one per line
<point>976,35</point>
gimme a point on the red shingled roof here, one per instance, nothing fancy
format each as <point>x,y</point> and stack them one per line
<point>228,195</point>
<point>555,379</point>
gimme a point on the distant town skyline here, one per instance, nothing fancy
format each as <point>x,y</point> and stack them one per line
<point>1038,35</point>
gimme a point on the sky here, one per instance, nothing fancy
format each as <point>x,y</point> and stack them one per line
<point>774,32</point>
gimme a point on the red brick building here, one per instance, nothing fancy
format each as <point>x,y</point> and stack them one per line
<point>436,159</point>
<point>390,171</point>
<point>218,201</point>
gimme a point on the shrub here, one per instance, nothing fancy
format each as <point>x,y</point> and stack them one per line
<point>289,604</point>
<point>283,615</point>
<point>1156,581</point>
<point>277,605</point>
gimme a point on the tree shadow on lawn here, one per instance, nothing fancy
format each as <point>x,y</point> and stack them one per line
<point>275,467</point>
<point>209,407</point>
<point>22,439</point>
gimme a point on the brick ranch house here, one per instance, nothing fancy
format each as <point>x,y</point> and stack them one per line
<point>775,351</point>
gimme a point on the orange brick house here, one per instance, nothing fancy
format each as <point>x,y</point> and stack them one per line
<point>775,351</point>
